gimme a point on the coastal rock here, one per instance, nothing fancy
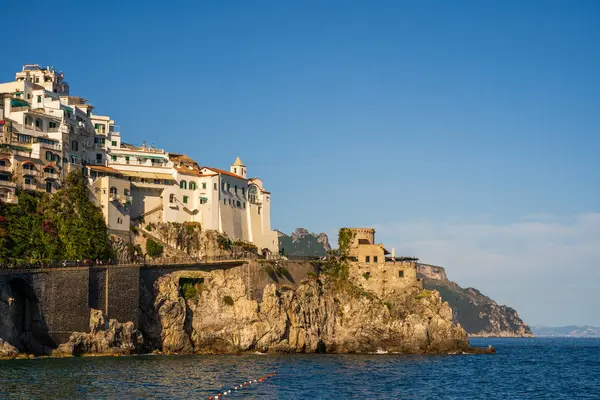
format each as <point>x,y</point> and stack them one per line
<point>320,315</point>
<point>7,350</point>
<point>304,243</point>
<point>105,337</point>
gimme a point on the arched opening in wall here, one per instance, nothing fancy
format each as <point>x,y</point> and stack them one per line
<point>31,331</point>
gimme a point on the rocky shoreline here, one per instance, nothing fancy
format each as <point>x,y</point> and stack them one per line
<point>319,315</point>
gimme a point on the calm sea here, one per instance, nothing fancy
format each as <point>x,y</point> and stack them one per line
<point>522,369</point>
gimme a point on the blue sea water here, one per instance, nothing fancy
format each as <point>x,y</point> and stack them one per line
<point>522,369</point>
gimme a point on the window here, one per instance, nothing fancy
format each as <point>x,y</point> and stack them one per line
<point>203,200</point>
<point>244,205</point>
<point>113,190</point>
<point>374,259</point>
<point>98,157</point>
<point>223,186</point>
<point>28,121</point>
<point>119,220</point>
<point>37,80</point>
<point>253,194</point>
<point>39,99</point>
<point>74,145</point>
<point>185,199</point>
<point>215,186</point>
<point>243,192</point>
<point>2,163</point>
<point>368,259</point>
<point>228,187</point>
<point>192,185</point>
<point>203,185</point>
<point>28,167</point>
<point>401,274</point>
<point>235,170</point>
<point>127,192</point>
<point>49,156</point>
<point>49,170</point>
<point>235,189</point>
<point>238,204</point>
<point>126,159</point>
<point>28,181</point>
<point>113,143</point>
<point>225,201</point>
<point>52,125</point>
<point>171,198</point>
<point>113,158</point>
<point>258,210</point>
<point>183,185</point>
<point>38,123</point>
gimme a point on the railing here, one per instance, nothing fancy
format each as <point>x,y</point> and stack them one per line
<point>5,168</point>
<point>140,261</point>
<point>10,184</point>
<point>51,175</point>
<point>55,129</point>
<point>30,172</point>
<point>17,109</point>
<point>8,198</point>
<point>30,186</point>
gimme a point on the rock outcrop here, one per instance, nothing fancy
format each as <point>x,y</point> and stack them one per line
<point>320,315</point>
<point>105,337</point>
<point>7,350</point>
<point>303,243</point>
<point>479,315</point>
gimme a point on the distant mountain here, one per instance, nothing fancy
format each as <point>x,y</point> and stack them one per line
<point>303,243</point>
<point>476,313</point>
<point>567,331</point>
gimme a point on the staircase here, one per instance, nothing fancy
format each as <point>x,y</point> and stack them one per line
<point>143,215</point>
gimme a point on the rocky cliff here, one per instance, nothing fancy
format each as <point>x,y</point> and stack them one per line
<point>303,243</point>
<point>476,313</point>
<point>216,315</point>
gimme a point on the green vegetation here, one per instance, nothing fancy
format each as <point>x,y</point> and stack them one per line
<point>388,305</point>
<point>228,300</point>
<point>338,264</point>
<point>64,226</point>
<point>246,246</point>
<point>423,294</point>
<point>149,227</point>
<point>366,275</point>
<point>153,249</point>
<point>190,287</point>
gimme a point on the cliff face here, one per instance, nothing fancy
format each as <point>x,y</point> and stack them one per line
<point>303,243</point>
<point>476,313</point>
<point>320,315</point>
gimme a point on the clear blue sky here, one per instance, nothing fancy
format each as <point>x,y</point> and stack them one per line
<point>450,118</point>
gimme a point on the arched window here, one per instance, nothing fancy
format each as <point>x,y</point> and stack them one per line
<point>113,190</point>
<point>192,185</point>
<point>49,170</point>
<point>183,185</point>
<point>253,194</point>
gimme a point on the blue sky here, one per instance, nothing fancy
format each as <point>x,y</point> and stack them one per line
<point>449,126</point>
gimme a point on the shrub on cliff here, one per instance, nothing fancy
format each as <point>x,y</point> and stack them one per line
<point>153,249</point>
<point>63,226</point>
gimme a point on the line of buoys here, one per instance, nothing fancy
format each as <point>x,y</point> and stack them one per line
<point>242,386</point>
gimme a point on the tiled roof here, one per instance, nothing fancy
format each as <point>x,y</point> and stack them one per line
<point>223,172</point>
<point>104,169</point>
<point>187,171</point>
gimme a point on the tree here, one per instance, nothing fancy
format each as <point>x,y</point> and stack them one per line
<point>153,249</point>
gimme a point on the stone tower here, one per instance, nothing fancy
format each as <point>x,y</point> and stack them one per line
<point>238,168</point>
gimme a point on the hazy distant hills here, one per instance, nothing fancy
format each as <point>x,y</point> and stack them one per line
<point>304,243</point>
<point>567,331</point>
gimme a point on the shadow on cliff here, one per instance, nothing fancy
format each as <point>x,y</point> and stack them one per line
<point>30,331</point>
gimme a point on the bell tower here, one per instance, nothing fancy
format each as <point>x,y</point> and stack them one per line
<point>238,168</point>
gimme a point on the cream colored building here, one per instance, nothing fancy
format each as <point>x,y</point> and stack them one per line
<point>375,268</point>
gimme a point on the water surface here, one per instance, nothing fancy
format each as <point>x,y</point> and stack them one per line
<point>522,369</point>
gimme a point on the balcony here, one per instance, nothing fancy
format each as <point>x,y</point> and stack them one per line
<point>51,175</point>
<point>8,198</point>
<point>5,168</point>
<point>100,145</point>
<point>30,186</point>
<point>7,184</point>
<point>114,197</point>
<point>30,172</point>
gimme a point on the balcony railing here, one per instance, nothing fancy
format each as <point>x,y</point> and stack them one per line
<point>7,184</point>
<point>51,175</point>
<point>8,198</point>
<point>30,186</point>
<point>30,172</point>
<point>55,129</point>
<point>5,168</point>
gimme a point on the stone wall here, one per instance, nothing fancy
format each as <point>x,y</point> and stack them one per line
<point>386,278</point>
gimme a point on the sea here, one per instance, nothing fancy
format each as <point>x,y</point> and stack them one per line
<point>533,368</point>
